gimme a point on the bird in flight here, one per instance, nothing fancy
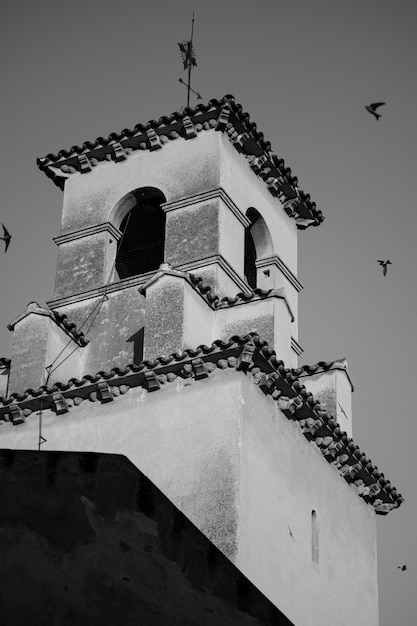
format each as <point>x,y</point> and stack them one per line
<point>6,238</point>
<point>371,108</point>
<point>384,266</point>
<point>403,568</point>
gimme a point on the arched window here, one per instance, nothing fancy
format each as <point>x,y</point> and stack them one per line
<point>258,244</point>
<point>141,247</point>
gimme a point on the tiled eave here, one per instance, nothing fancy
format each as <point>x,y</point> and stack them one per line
<point>213,300</point>
<point>223,115</point>
<point>247,354</point>
<point>323,366</point>
<point>61,319</point>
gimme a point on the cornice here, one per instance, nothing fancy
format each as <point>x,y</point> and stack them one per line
<point>325,366</point>
<point>86,232</point>
<point>203,197</point>
<point>274,259</point>
<point>125,283</point>
<point>226,116</point>
<point>222,262</point>
<point>60,320</point>
<point>142,279</point>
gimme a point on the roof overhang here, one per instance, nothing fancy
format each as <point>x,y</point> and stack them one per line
<point>223,115</point>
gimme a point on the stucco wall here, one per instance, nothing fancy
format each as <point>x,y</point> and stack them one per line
<point>333,390</point>
<point>245,475</point>
<point>29,351</point>
<point>247,190</point>
<point>114,329</point>
<point>180,169</point>
<point>284,478</point>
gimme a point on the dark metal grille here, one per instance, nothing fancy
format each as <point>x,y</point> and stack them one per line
<point>141,248</point>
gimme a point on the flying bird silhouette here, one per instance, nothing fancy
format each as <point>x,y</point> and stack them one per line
<point>371,108</point>
<point>403,568</point>
<point>384,265</point>
<point>6,238</point>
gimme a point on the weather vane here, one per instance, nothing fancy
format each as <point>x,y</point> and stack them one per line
<point>189,61</point>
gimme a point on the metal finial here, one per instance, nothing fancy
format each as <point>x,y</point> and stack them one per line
<point>189,61</point>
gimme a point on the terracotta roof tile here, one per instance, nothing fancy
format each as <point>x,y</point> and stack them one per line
<point>70,328</point>
<point>240,298</point>
<point>248,354</point>
<point>225,115</point>
<point>323,366</point>
<point>61,319</point>
<point>212,299</point>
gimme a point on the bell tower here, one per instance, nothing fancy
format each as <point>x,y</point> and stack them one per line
<point>199,192</point>
<point>172,338</point>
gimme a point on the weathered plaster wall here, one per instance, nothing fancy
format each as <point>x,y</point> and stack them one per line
<point>114,329</point>
<point>4,381</point>
<point>37,341</point>
<point>176,318</point>
<point>81,265</point>
<point>283,478</point>
<point>245,318</point>
<point>192,233</point>
<point>180,169</point>
<point>245,475</point>
<point>87,539</point>
<point>247,190</point>
<point>30,339</point>
<point>184,438</point>
<point>334,391</point>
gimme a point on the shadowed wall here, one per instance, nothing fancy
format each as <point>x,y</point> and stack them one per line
<point>86,538</point>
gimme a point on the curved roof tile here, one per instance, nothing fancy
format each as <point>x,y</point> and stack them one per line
<point>249,354</point>
<point>225,115</point>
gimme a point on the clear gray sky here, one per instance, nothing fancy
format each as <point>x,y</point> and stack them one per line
<point>304,70</point>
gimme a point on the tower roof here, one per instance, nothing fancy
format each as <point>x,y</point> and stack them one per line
<point>224,115</point>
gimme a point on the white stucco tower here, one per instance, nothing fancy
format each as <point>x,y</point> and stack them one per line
<point>177,274</point>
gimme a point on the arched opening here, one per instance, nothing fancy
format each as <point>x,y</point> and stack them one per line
<point>250,258</point>
<point>141,246</point>
<point>258,244</point>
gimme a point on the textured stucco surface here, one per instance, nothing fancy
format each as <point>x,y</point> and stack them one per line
<point>183,437</point>
<point>177,318</point>
<point>334,391</point>
<point>37,340</point>
<point>4,381</point>
<point>180,169</point>
<point>192,233</point>
<point>247,477</point>
<point>283,478</point>
<point>88,539</point>
<point>81,265</point>
<point>30,339</point>
<point>247,190</point>
<point>114,329</point>
<point>164,317</point>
